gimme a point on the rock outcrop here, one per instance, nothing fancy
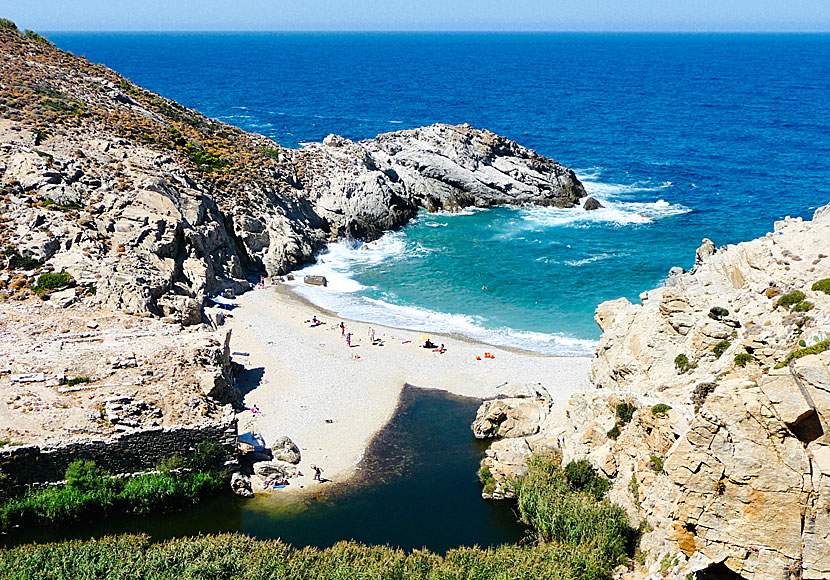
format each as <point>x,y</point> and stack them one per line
<point>711,411</point>
<point>151,206</point>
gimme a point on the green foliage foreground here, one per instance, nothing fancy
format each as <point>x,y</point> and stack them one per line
<point>579,538</point>
<point>91,494</point>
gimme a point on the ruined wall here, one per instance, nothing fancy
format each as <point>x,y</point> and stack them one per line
<point>123,453</point>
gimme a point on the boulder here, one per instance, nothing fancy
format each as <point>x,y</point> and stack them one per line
<point>284,449</point>
<point>591,204</point>
<point>316,280</point>
<point>268,469</point>
<point>241,485</point>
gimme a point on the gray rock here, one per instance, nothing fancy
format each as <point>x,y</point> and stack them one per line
<point>284,449</point>
<point>591,204</point>
<point>241,485</point>
<point>316,280</point>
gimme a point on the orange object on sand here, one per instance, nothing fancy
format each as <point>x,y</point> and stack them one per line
<point>478,358</point>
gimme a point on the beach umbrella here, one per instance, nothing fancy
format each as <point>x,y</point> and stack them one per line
<point>423,337</point>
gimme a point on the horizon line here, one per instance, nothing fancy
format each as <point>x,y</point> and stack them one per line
<point>437,30</point>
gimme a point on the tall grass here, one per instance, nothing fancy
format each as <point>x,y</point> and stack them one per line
<point>236,557</point>
<point>567,512</point>
<point>96,495</point>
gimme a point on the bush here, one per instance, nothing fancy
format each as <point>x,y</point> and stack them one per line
<point>743,358</point>
<point>683,363</point>
<point>77,381</point>
<point>822,286</point>
<point>487,481</point>
<point>6,24</point>
<point>721,347</point>
<point>84,476</point>
<point>614,432</point>
<point>656,464</point>
<point>718,312</point>
<point>20,262</point>
<point>48,281</point>
<point>32,35</point>
<point>582,476</point>
<point>817,348</point>
<point>207,455</point>
<point>660,410</point>
<point>558,513</point>
<point>790,299</point>
<point>803,306</point>
<point>625,412</point>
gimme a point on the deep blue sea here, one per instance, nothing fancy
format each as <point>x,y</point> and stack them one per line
<point>681,137</point>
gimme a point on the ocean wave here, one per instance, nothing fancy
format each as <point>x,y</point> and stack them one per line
<point>374,311</point>
<point>619,213</point>
<point>597,258</point>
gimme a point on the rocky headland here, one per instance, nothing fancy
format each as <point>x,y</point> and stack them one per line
<point>710,412</point>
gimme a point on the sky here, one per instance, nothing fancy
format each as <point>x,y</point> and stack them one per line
<point>506,15</point>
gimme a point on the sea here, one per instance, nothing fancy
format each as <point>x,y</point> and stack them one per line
<point>680,136</point>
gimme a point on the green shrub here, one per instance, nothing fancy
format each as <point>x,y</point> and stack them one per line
<point>582,476</point>
<point>655,463</point>
<point>171,464</point>
<point>743,358</point>
<point>822,286</point>
<point>207,455</point>
<point>205,160</point>
<point>614,432</point>
<point>559,514</point>
<point>6,24</point>
<point>721,347</point>
<point>84,476</point>
<point>77,381</point>
<point>20,262</point>
<point>718,312</point>
<point>817,348</point>
<point>660,410</point>
<point>790,299</point>
<point>634,489</point>
<point>625,412</point>
<point>49,281</point>
<point>701,392</point>
<point>802,343</point>
<point>31,34</point>
<point>683,364</point>
<point>487,481</point>
<point>803,306</point>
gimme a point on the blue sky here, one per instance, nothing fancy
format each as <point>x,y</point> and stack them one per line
<point>605,15</point>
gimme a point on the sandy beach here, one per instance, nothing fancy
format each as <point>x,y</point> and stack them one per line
<point>330,399</point>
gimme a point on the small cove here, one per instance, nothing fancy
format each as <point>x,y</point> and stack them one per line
<point>416,488</point>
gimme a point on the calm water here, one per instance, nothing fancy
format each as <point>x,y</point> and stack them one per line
<point>682,137</point>
<point>418,489</point>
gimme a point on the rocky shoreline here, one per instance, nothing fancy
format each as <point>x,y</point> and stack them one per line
<point>710,412</point>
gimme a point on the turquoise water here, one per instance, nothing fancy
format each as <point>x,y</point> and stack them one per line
<point>682,136</point>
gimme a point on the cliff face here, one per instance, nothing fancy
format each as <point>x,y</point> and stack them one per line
<point>151,204</point>
<point>727,453</point>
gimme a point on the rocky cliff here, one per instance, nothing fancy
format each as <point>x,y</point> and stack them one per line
<point>150,205</point>
<point>711,412</point>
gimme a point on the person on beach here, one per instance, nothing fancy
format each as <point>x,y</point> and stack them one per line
<point>342,329</point>
<point>255,410</point>
<point>349,340</point>
<point>371,335</point>
<point>317,473</point>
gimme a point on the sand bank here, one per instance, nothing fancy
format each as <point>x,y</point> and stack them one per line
<point>330,399</point>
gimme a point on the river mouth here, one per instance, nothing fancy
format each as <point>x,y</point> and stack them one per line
<point>416,488</point>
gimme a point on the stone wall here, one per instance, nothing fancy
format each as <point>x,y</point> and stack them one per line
<point>128,452</point>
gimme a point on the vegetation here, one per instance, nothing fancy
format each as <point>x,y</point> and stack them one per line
<point>16,261</point>
<point>49,281</point>
<point>743,358</point>
<point>32,35</point>
<point>803,306</point>
<point>822,286</point>
<point>660,410</point>
<point>700,393</point>
<point>561,514</point>
<point>721,347</point>
<point>683,364</point>
<point>238,557</point>
<point>91,493</point>
<point>580,536</point>
<point>77,381</point>
<point>582,476</point>
<point>790,299</point>
<point>718,312</point>
<point>656,464</point>
<point>817,348</point>
<point>6,24</point>
<point>624,412</point>
<point>487,481</point>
